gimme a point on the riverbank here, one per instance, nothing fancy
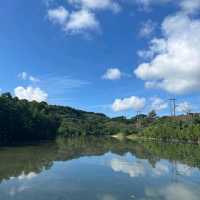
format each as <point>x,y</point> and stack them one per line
<point>22,121</point>
<point>137,138</point>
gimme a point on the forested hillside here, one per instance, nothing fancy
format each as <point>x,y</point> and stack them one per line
<point>174,129</point>
<point>21,120</point>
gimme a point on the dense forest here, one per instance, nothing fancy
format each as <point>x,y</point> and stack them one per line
<point>22,121</point>
<point>174,129</point>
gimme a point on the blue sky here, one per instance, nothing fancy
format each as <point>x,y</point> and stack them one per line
<point>110,56</point>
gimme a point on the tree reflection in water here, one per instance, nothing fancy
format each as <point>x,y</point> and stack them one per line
<point>176,166</point>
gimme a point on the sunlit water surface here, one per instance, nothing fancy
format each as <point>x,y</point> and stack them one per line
<point>100,169</point>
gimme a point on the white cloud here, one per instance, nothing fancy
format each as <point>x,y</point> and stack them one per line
<point>160,169</point>
<point>81,20</point>
<point>112,74</point>
<point>132,169</point>
<point>96,4</point>
<point>174,191</point>
<point>190,6</point>
<point>58,15</point>
<point>184,107</point>
<point>28,176</point>
<point>147,28</point>
<point>138,167</point>
<point>157,46</point>
<point>30,93</point>
<point>74,22</point>
<point>83,17</point>
<point>158,104</point>
<point>135,103</point>
<point>175,63</point>
<point>187,6</point>
<point>179,191</point>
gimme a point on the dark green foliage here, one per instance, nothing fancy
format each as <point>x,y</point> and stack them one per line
<point>170,129</point>
<point>152,114</point>
<point>21,120</point>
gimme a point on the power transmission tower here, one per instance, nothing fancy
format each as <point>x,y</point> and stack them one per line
<point>172,106</point>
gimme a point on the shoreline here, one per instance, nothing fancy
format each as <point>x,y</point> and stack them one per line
<point>141,138</point>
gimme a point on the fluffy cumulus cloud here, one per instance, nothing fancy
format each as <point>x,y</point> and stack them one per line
<point>174,59</point>
<point>138,167</point>
<point>158,104</point>
<point>132,169</point>
<point>80,21</point>
<point>58,15</point>
<point>87,9</point>
<point>75,22</point>
<point>184,107</point>
<point>82,17</point>
<point>156,46</point>
<point>30,93</point>
<point>96,4</point>
<point>190,6</point>
<point>134,103</point>
<point>112,74</point>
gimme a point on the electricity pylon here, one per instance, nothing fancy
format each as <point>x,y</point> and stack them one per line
<point>172,106</point>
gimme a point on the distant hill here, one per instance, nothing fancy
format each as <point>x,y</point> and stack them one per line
<point>21,120</point>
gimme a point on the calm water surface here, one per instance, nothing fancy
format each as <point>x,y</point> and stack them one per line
<point>100,169</point>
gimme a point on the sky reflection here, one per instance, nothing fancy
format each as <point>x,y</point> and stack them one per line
<point>88,171</point>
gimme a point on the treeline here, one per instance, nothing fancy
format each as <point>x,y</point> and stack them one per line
<point>21,120</point>
<point>172,129</point>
